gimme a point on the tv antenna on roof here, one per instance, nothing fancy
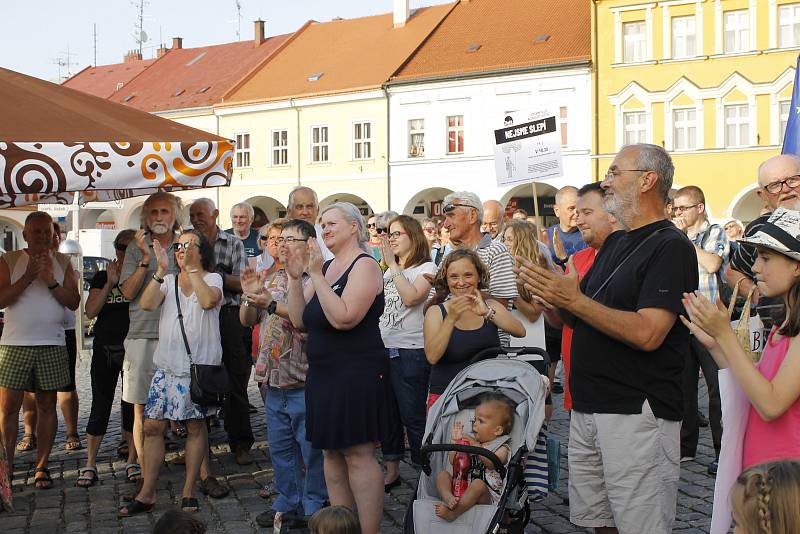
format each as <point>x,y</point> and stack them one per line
<point>139,35</point>
<point>64,60</point>
<point>238,20</point>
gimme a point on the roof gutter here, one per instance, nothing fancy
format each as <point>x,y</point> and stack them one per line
<point>490,73</point>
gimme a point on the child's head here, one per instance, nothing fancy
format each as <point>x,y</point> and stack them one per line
<point>334,520</point>
<point>494,417</point>
<point>179,522</point>
<point>765,499</point>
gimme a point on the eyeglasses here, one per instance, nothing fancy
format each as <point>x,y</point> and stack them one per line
<point>450,207</point>
<point>183,246</point>
<point>289,240</point>
<point>776,187</point>
<point>381,230</point>
<point>677,210</point>
<point>610,175</point>
<point>371,225</point>
<point>263,237</point>
<point>395,235</point>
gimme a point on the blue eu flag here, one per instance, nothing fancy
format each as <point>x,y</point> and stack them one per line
<point>791,141</point>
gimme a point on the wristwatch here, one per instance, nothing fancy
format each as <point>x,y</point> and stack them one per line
<point>272,307</point>
<point>158,278</point>
<point>145,265</point>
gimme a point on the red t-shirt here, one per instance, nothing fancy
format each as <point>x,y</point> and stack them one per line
<point>583,260</point>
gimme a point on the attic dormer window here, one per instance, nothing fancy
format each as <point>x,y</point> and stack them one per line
<point>128,98</point>
<point>473,48</point>
<point>316,76</point>
<point>195,59</point>
<point>179,92</point>
<point>203,89</point>
<point>119,85</point>
<point>541,38</point>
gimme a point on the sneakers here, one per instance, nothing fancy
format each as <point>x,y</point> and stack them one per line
<point>276,520</point>
<point>712,468</point>
<point>687,458</point>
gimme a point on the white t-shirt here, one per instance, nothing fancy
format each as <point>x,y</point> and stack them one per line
<point>401,326</point>
<point>202,329</point>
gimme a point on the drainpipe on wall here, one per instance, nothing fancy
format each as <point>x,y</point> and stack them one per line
<point>388,151</point>
<point>217,189</point>
<point>593,72</point>
<point>297,128</point>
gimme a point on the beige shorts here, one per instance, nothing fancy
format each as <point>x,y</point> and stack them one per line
<point>137,369</point>
<point>624,471</point>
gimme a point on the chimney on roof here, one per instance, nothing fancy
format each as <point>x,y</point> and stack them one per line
<point>259,33</point>
<point>177,43</point>
<point>400,13</point>
<point>161,51</point>
<point>131,56</point>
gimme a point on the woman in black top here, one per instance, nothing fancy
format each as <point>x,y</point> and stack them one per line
<point>107,303</point>
<point>460,321</point>
<point>348,368</point>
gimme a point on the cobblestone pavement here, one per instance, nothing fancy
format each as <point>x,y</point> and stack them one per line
<point>70,509</point>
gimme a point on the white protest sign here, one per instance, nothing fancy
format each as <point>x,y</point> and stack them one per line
<point>528,146</point>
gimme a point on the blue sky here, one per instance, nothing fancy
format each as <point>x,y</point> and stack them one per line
<point>34,35</point>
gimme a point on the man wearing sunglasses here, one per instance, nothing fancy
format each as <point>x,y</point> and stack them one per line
<point>463,216</point>
<point>230,261</point>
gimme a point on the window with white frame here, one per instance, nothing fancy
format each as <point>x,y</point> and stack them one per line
<point>280,147</point>
<point>362,140</point>
<point>684,129</point>
<point>319,144</point>
<point>416,138</point>
<point>243,150</point>
<point>563,125</point>
<point>634,39</point>
<point>684,37</point>
<point>737,125</point>
<point>737,31</point>
<point>634,127</point>
<point>789,25</point>
<point>784,106</point>
<point>455,134</point>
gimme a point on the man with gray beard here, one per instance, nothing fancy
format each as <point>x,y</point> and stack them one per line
<point>627,353</point>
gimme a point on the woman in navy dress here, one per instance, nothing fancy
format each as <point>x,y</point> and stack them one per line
<point>346,385</point>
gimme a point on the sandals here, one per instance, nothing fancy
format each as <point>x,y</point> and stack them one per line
<point>43,482</point>
<point>87,477</point>
<point>133,472</point>
<point>73,443</point>
<point>135,507</point>
<point>190,504</point>
<point>27,443</point>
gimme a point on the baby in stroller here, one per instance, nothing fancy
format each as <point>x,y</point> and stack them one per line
<point>494,419</point>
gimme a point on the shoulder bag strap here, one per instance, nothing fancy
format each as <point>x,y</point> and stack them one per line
<point>180,320</point>
<point>625,259</point>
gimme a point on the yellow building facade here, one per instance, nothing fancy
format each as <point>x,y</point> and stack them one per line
<point>710,80</point>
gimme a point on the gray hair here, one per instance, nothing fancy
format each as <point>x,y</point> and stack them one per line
<point>655,158</point>
<point>251,214</point>
<point>174,201</point>
<point>471,198</point>
<point>207,201</point>
<point>351,214</point>
<point>297,190</point>
<point>563,191</point>
<point>382,219</point>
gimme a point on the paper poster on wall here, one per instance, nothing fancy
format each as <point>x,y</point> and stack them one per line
<point>528,146</point>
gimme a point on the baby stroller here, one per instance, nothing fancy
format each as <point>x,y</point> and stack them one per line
<point>525,387</point>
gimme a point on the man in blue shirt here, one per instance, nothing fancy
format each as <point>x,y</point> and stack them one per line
<point>242,215</point>
<point>565,240</point>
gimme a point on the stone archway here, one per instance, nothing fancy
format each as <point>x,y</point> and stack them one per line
<point>747,205</point>
<point>272,208</point>
<point>521,196</point>
<point>11,234</point>
<point>427,203</point>
<point>362,205</point>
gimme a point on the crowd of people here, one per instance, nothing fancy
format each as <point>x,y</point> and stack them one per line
<point>354,327</point>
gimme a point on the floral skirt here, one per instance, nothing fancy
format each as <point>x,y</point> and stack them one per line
<point>169,398</point>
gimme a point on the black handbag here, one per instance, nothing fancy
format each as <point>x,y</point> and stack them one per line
<point>115,355</point>
<point>209,385</point>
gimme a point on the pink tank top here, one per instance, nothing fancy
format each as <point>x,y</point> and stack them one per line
<point>779,439</point>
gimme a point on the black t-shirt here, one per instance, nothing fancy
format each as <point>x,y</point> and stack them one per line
<point>608,376</point>
<point>113,320</point>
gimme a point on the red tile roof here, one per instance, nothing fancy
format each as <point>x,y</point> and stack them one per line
<point>347,55</point>
<point>502,35</point>
<point>195,77</point>
<point>103,81</point>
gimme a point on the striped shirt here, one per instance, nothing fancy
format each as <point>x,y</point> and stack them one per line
<point>712,239</point>
<point>230,259</point>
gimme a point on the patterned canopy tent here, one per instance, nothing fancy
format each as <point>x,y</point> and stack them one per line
<point>55,142</point>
